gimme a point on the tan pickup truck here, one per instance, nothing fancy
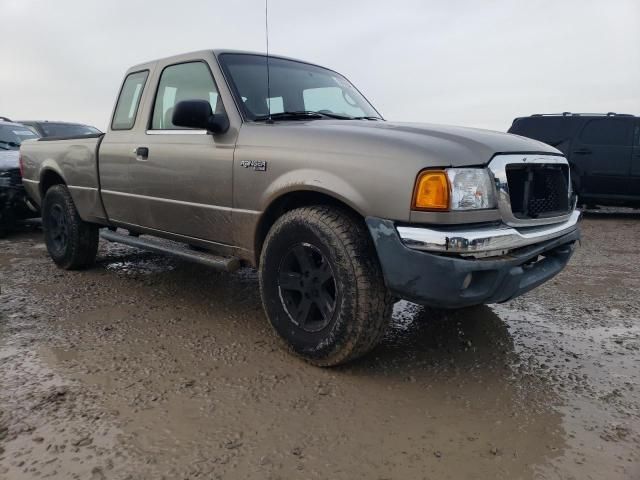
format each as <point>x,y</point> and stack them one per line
<point>295,173</point>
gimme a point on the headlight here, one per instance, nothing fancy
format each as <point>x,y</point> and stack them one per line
<point>471,189</point>
<point>454,189</point>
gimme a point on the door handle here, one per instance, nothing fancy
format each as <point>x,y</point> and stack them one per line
<point>142,153</point>
<point>582,151</point>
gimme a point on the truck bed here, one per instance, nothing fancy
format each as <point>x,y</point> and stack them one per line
<point>74,160</point>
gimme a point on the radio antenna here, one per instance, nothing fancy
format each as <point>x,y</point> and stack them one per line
<point>266,30</point>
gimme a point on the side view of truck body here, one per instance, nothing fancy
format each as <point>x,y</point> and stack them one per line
<point>341,211</point>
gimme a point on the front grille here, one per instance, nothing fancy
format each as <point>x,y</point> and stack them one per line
<point>538,190</point>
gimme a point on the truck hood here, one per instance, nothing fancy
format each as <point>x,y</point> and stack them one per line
<point>427,144</point>
<point>442,144</point>
<point>9,159</point>
<point>482,144</point>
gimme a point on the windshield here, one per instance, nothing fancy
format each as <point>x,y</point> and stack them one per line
<point>11,136</point>
<point>293,87</point>
<point>50,129</point>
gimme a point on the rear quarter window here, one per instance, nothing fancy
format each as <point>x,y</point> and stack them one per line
<point>550,130</point>
<point>66,130</point>
<point>129,100</point>
<point>606,131</point>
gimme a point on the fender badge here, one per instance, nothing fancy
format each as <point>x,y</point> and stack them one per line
<point>257,165</point>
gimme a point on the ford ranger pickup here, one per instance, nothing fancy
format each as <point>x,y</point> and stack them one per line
<point>234,158</point>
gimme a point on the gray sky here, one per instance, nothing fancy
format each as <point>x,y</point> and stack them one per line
<point>475,63</point>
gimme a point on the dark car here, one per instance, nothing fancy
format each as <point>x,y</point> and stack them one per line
<point>603,151</point>
<point>59,129</point>
<point>14,203</point>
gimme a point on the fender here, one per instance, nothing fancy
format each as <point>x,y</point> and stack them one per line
<point>315,181</point>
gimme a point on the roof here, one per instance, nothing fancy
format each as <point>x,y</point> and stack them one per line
<point>570,114</point>
<point>216,53</point>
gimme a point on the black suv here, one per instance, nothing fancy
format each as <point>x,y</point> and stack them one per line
<point>603,151</point>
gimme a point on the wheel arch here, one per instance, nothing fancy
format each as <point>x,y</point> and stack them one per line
<point>48,178</point>
<point>290,201</point>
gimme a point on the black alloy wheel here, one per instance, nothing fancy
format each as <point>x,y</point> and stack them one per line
<point>307,287</point>
<point>58,228</point>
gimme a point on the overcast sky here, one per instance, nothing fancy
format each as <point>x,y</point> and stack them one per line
<point>475,63</point>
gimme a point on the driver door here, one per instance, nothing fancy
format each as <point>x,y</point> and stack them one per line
<point>182,177</point>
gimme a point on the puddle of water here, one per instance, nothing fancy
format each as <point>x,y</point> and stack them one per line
<point>143,267</point>
<point>597,379</point>
<point>51,427</point>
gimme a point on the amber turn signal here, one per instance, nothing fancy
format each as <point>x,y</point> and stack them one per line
<point>431,191</point>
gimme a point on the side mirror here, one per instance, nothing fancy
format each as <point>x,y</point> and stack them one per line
<point>198,114</point>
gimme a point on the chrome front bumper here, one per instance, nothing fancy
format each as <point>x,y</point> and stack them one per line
<point>483,241</point>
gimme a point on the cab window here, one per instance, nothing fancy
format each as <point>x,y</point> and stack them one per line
<point>129,100</point>
<point>187,81</point>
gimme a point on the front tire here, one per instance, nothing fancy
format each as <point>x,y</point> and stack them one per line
<point>72,243</point>
<point>322,286</point>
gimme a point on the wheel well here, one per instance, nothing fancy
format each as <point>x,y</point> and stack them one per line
<point>291,201</point>
<point>48,180</point>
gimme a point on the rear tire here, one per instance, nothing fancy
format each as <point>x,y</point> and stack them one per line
<point>72,243</point>
<point>322,286</point>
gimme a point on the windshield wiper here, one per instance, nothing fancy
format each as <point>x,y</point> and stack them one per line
<point>301,114</point>
<point>366,118</point>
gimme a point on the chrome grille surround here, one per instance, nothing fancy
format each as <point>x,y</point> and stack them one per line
<point>498,168</point>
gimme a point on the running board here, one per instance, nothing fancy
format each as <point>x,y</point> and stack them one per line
<point>177,249</point>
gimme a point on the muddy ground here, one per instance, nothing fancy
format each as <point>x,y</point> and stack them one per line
<point>148,367</point>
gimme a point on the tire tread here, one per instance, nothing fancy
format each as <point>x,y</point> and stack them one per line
<point>373,301</point>
<point>83,236</point>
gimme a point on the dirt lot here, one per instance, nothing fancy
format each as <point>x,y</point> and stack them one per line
<point>147,367</point>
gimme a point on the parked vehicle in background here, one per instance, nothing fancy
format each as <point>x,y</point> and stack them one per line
<point>603,151</point>
<point>46,128</point>
<point>14,203</point>
<point>341,211</point>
